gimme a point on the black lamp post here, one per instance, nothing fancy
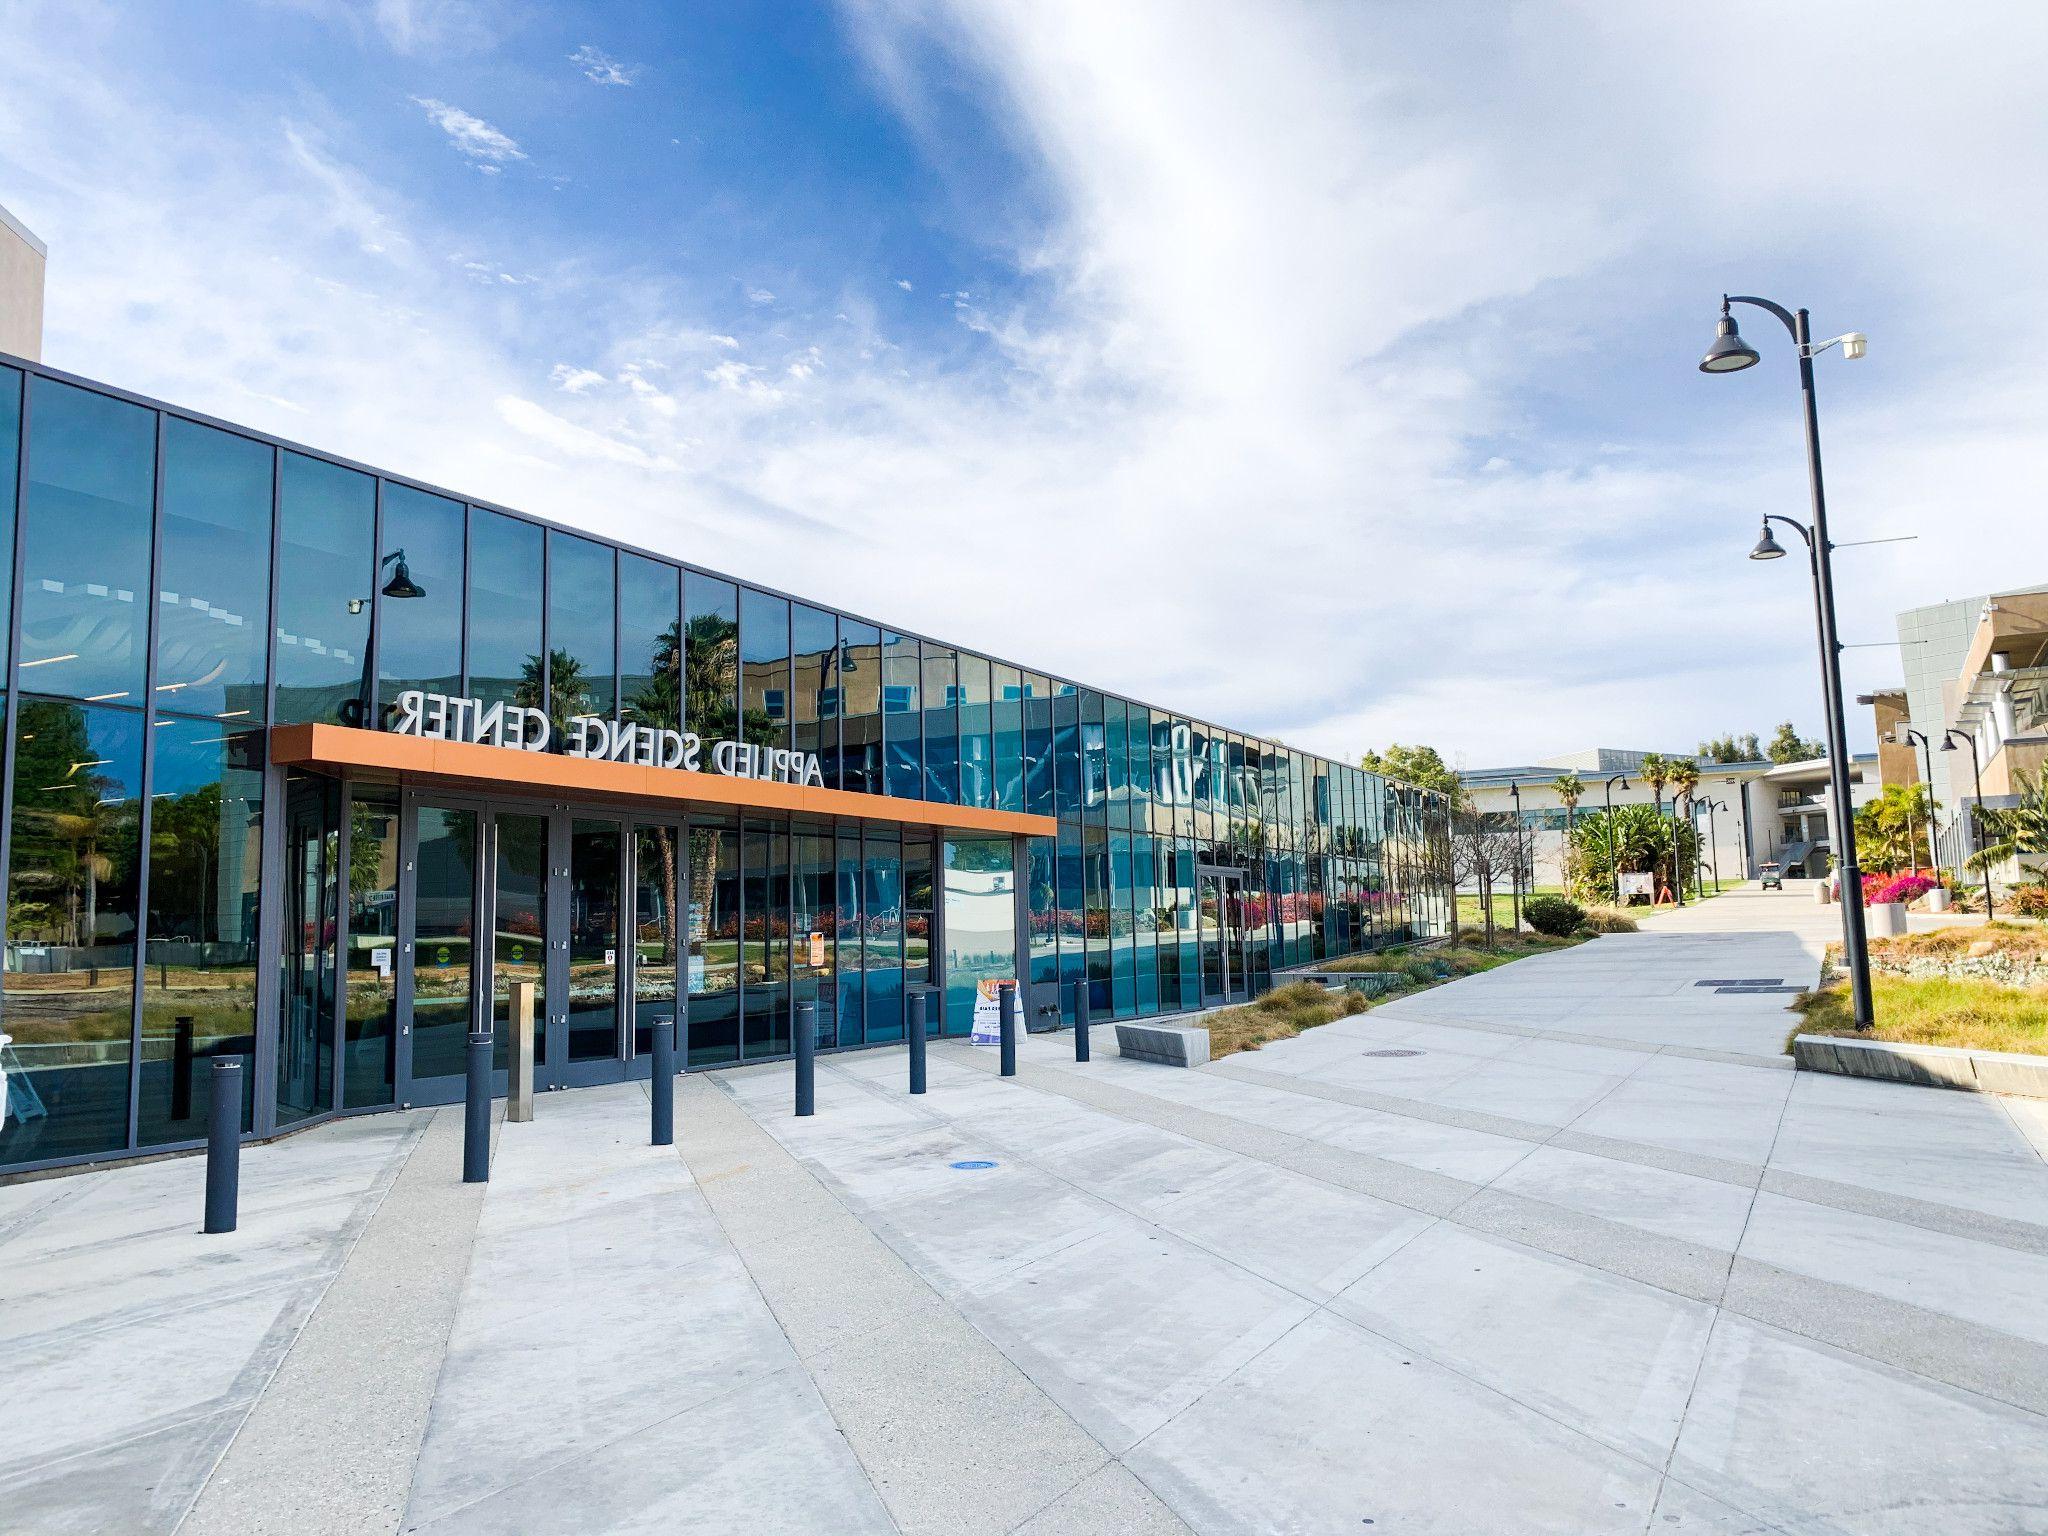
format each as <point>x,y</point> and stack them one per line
<point>1926,784</point>
<point>401,585</point>
<point>1729,354</point>
<point>1515,792</point>
<point>1613,860</point>
<point>1948,744</point>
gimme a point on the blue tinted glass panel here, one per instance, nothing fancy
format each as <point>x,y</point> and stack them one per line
<point>581,609</point>
<point>882,925</point>
<point>326,559</point>
<point>504,620</point>
<point>764,668</point>
<point>941,725</point>
<point>711,658</point>
<point>977,753</point>
<point>860,706</point>
<point>817,685</point>
<point>650,642</point>
<point>85,544</point>
<point>419,604</point>
<point>1006,735</point>
<point>902,720</point>
<point>71,929</point>
<point>847,942</point>
<point>213,575</point>
<point>199,985</point>
<point>10,468</point>
<point>980,923</point>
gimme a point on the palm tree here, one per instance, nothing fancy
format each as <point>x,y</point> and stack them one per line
<point>1571,789</point>
<point>1683,775</point>
<point>2012,830</point>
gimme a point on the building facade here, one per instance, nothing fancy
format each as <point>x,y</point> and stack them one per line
<point>307,764</point>
<point>22,261</point>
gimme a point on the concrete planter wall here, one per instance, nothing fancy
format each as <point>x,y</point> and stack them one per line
<point>1885,919</point>
<point>1937,899</point>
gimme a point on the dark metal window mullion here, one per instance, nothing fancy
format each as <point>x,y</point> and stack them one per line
<point>373,661</point>
<point>269,930</point>
<point>462,638</point>
<point>143,818</point>
<point>547,654</point>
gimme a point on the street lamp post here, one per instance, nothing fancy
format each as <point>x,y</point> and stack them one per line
<point>1926,785</point>
<point>1515,874</point>
<point>1730,354</point>
<point>1948,744</point>
<point>1613,859</point>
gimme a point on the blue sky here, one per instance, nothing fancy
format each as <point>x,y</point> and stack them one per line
<point>1109,337</point>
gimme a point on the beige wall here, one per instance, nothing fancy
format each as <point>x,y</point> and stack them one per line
<point>21,291</point>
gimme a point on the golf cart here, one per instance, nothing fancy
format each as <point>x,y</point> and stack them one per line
<point>1773,877</point>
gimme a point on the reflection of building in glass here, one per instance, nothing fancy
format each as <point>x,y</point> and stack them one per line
<point>216,847</point>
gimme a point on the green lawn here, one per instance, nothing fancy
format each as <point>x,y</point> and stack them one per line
<point>1470,914</point>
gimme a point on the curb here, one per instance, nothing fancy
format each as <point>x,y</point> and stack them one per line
<point>1929,1066</point>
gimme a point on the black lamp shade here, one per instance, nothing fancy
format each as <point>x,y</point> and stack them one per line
<point>1729,353</point>
<point>1767,548</point>
<point>401,583</point>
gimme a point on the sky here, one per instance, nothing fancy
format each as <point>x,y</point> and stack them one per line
<point>1328,371</point>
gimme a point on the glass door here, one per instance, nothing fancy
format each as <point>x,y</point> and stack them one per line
<point>439,988</point>
<point>585,991</point>
<point>519,931</point>
<point>1220,936</point>
<point>657,871</point>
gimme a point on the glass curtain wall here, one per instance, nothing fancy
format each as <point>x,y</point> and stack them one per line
<point>178,587</point>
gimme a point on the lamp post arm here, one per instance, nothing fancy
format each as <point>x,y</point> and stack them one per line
<point>1794,524</point>
<point>1779,310</point>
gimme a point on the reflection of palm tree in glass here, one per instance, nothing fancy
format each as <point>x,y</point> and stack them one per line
<point>568,690</point>
<point>711,674</point>
<point>659,701</point>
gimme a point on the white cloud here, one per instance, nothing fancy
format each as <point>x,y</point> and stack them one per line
<point>904,284</point>
<point>1308,270</point>
<point>487,147</point>
<point>602,69</point>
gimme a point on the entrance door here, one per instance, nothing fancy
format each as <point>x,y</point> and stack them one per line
<point>586,948</point>
<point>438,954</point>
<point>1220,936</point>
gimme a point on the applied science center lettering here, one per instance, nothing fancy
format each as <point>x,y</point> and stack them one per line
<point>440,717</point>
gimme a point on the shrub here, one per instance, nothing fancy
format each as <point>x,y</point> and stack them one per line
<point>1901,888</point>
<point>1607,920</point>
<point>2030,900</point>
<point>1553,915</point>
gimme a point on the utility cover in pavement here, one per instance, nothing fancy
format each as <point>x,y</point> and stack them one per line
<point>1393,1053</point>
<point>973,1163</point>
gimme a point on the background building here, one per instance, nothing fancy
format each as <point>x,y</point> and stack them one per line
<point>1774,811</point>
<point>22,257</point>
<point>1977,668</point>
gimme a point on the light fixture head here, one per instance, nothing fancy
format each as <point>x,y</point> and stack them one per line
<point>1855,345</point>
<point>1624,783</point>
<point>1729,353</point>
<point>1948,741</point>
<point>401,583</point>
<point>355,605</point>
<point>1767,548</point>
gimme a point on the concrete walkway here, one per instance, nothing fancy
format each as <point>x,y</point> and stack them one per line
<point>1563,1248</point>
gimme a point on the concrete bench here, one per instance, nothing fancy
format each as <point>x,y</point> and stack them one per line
<point>1167,1045</point>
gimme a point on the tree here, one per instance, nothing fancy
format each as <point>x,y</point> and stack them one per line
<point>1788,746</point>
<point>1571,789</point>
<point>1485,845</point>
<point>1421,766</point>
<point>1629,839</point>
<point>2013,830</point>
<point>1731,748</point>
<point>1683,774</point>
<point>1656,772</point>
<point>1890,827</point>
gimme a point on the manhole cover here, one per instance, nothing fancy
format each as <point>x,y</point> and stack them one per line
<point>973,1163</point>
<point>1393,1052</point>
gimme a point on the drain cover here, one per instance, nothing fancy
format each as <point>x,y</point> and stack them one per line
<point>973,1163</point>
<point>1393,1052</point>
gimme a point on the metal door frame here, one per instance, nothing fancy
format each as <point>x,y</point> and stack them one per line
<point>1234,956</point>
<point>623,1064</point>
<point>447,1088</point>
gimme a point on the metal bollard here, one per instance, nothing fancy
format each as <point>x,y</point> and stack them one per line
<point>920,1006</point>
<point>806,1058</point>
<point>519,1008</point>
<point>662,1086</point>
<point>224,1145</point>
<point>476,1111</point>
<point>181,1068</point>
<point>1006,1015</point>
<point>1080,1021</point>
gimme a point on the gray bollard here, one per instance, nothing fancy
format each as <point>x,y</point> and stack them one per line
<point>662,1086</point>
<point>476,1111</point>
<point>224,1145</point>
<point>1006,1015</point>
<point>181,1068</point>
<point>1080,1021</point>
<point>806,1058</point>
<point>920,1005</point>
